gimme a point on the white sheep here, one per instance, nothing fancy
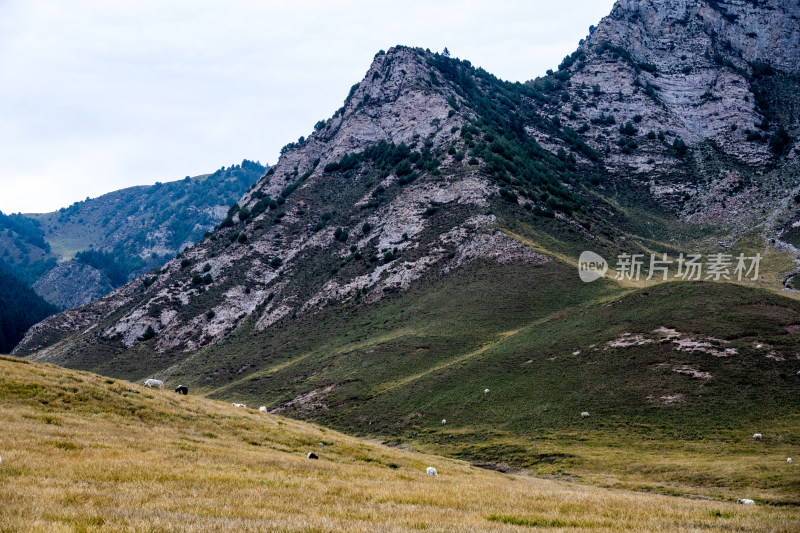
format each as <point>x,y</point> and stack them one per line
<point>745,501</point>
<point>153,383</point>
<point>486,391</point>
<point>585,414</point>
<point>431,471</point>
<point>789,460</point>
<point>263,408</point>
<point>756,436</point>
<point>444,421</point>
<point>239,405</point>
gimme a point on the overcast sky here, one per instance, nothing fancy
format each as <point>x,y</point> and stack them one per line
<point>101,95</point>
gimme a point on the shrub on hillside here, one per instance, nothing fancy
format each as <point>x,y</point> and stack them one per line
<point>148,334</point>
<point>680,146</point>
<point>780,141</point>
<point>628,129</point>
<point>340,235</point>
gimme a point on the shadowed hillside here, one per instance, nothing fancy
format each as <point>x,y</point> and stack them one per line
<point>20,308</point>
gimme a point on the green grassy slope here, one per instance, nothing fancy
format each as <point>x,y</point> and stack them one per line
<point>646,406</point>
<point>537,337</point>
<point>539,340</point>
<point>545,362</point>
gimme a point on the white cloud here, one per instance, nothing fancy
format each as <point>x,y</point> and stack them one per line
<point>103,95</point>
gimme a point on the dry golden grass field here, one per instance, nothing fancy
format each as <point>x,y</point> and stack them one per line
<point>81,452</point>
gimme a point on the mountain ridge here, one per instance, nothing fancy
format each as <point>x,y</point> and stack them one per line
<point>59,254</point>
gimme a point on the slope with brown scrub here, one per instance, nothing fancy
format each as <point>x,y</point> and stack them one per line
<point>85,453</point>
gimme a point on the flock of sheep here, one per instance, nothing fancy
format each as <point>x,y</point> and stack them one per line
<point>431,471</point>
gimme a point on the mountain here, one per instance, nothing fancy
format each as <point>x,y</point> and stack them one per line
<point>420,247</point>
<point>80,253</point>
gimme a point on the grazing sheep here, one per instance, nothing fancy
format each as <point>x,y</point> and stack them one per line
<point>789,460</point>
<point>263,408</point>
<point>584,414</point>
<point>431,471</point>
<point>182,389</point>
<point>312,455</point>
<point>444,421</point>
<point>153,383</point>
<point>239,405</point>
<point>756,436</point>
<point>745,501</point>
<point>486,391</point>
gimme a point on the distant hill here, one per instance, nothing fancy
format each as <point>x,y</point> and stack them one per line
<point>79,253</point>
<point>20,308</point>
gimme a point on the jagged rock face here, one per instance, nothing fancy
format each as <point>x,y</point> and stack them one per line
<point>666,73</point>
<point>72,284</point>
<point>394,102</point>
<point>81,320</point>
<point>749,30</point>
<point>681,70</point>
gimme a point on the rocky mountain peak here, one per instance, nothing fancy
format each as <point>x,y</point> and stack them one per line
<point>744,31</point>
<point>657,74</point>
<point>395,102</point>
